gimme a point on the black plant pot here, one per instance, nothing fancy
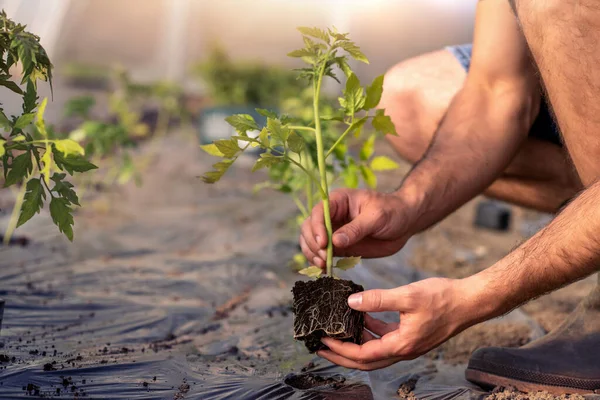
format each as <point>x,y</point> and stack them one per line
<point>321,309</point>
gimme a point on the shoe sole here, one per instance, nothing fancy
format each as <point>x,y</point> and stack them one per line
<point>486,379</point>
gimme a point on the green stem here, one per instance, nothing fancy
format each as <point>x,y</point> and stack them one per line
<point>300,206</point>
<point>310,190</point>
<point>323,171</point>
<point>340,139</point>
<point>302,128</point>
<point>285,156</point>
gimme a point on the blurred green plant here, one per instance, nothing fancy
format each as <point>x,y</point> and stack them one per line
<point>114,139</point>
<point>307,154</point>
<point>31,155</point>
<point>245,83</point>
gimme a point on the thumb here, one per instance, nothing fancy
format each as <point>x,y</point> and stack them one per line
<point>353,232</point>
<point>378,300</point>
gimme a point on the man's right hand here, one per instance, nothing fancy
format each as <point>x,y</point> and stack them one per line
<point>365,223</point>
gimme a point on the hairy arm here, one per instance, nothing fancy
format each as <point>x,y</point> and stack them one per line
<point>485,124</point>
<point>563,252</point>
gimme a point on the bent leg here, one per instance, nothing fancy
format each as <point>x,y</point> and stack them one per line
<point>416,95</point>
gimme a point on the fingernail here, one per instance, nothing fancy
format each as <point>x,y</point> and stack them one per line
<point>316,261</point>
<point>318,239</point>
<point>355,300</point>
<point>323,254</point>
<point>342,239</point>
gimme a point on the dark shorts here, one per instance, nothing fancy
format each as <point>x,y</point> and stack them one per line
<point>543,127</point>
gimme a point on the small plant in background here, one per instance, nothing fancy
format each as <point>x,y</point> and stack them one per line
<point>31,155</point>
<point>310,145</point>
<point>243,83</point>
<point>115,137</point>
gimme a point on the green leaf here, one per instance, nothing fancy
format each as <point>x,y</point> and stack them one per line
<point>19,138</point>
<point>69,147</point>
<point>383,124</point>
<point>266,113</point>
<point>368,176</point>
<point>383,163</point>
<point>71,163</point>
<point>354,51</point>
<point>219,170</point>
<point>11,85</point>
<point>79,106</point>
<point>211,177</point>
<point>32,202</point>
<point>367,148</point>
<point>242,123</point>
<point>228,147</point>
<point>62,216</point>
<point>212,149</point>
<point>40,125</point>
<point>347,263</point>
<point>4,121</point>
<point>354,98</point>
<point>24,120</point>
<point>350,175</point>
<point>357,126</point>
<point>41,110</point>
<point>263,136</point>
<point>314,32</point>
<point>2,148</point>
<point>342,62</point>
<point>64,188</point>
<point>21,167</point>
<point>374,93</point>
<point>295,142</point>
<point>340,151</point>
<point>46,160</point>
<point>30,98</point>
<point>311,272</point>
<point>334,115</point>
<point>301,53</point>
<point>277,130</point>
<point>267,160</point>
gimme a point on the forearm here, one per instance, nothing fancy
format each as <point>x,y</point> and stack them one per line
<point>480,134</point>
<point>567,250</point>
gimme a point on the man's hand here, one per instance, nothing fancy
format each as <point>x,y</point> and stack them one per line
<point>431,311</point>
<point>365,223</point>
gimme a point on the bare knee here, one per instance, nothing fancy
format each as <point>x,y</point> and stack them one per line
<point>416,95</point>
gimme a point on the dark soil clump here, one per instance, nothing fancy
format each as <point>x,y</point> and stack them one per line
<point>310,381</point>
<point>406,390</point>
<point>321,309</point>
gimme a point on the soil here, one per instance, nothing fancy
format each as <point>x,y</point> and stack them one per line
<point>194,301</point>
<point>310,381</point>
<point>458,349</point>
<point>321,309</point>
<point>329,388</point>
<point>513,394</point>
<point>406,390</point>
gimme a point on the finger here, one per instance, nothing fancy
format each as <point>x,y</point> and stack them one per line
<point>371,351</point>
<point>309,237</point>
<point>317,222</point>
<point>339,206</point>
<point>305,250</point>
<point>368,336</point>
<point>344,362</point>
<point>379,327</point>
<point>354,231</point>
<point>397,299</point>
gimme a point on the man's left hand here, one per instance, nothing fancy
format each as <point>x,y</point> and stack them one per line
<point>431,311</point>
